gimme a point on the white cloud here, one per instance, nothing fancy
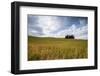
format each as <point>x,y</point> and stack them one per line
<point>48,24</point>
<point>79,33</point>
<point>82,32</point>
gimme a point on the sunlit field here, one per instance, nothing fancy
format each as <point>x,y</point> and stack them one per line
<point>56,48</point>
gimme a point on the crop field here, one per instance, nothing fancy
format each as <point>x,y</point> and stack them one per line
<point>56,48</point>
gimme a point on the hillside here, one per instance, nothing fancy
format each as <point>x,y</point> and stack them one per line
<point>56,48</point>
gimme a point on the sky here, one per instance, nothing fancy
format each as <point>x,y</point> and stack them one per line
<point>57,26</point>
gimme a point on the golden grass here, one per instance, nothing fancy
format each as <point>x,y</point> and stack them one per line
<point>56,48</point>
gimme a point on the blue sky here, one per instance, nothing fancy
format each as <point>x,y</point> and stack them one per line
<point>57,26</point>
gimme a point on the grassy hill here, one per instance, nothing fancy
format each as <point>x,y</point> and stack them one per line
<point>56,48</point>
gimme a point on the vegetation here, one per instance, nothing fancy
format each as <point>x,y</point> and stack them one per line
<point>69,37</point>
<point>56,48</point>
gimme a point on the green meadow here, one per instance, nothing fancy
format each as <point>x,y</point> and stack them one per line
<point>56,48</point>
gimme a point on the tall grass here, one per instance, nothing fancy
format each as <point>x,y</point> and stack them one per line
<point>56,48</point>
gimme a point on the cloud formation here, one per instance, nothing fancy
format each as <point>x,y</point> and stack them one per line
<point>57,26</point>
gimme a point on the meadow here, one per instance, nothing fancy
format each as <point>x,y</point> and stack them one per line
<point>56,48</point>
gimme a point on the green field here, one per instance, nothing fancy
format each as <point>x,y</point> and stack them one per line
<point>56,48</point>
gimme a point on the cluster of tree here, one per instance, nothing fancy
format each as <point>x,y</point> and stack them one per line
<point>69,37</point>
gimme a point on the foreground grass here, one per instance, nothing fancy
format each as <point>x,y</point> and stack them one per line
<point>56,48</point>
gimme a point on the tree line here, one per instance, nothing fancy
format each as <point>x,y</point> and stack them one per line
<point>69,37</point>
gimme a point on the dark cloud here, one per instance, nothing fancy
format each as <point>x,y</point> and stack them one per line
<point>33,24</point>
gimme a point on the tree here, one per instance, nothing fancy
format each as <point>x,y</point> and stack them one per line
<point>69,37</point>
